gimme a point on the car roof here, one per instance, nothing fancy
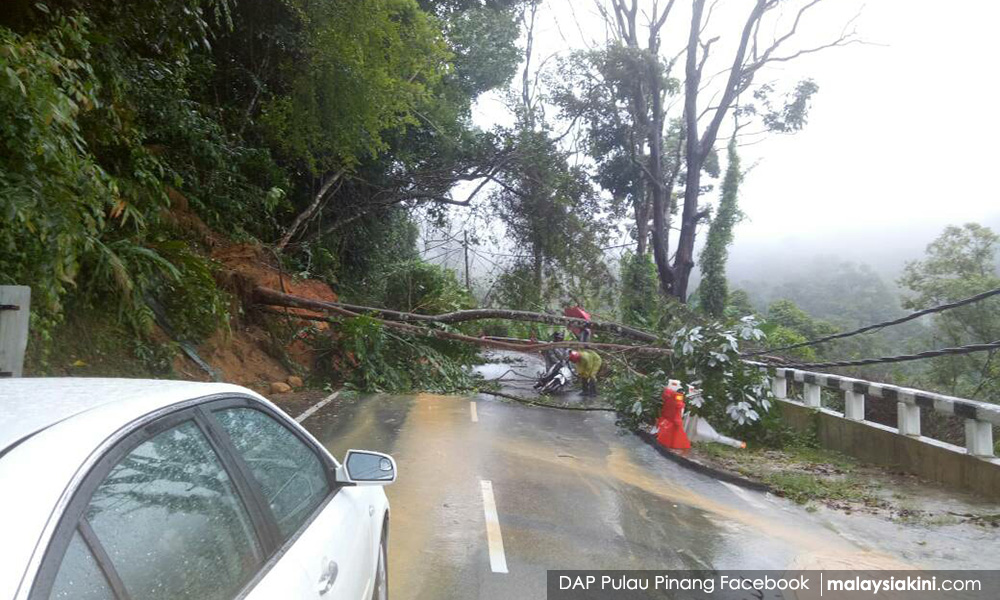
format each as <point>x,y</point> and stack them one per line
<point>30,405</point>
<point>51,430</point>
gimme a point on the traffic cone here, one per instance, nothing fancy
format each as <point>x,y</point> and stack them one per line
<point>670,425</point>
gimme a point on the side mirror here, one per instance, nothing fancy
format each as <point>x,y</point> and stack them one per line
<point>362,467</point>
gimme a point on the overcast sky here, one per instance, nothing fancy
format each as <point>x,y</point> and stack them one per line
<point>901,138</point>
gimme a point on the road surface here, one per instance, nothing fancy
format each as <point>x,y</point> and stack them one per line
<point>492,494</point>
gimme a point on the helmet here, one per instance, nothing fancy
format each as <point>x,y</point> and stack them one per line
<point>574,356</point>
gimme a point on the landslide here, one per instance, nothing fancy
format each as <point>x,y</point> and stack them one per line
<point>256,351</point>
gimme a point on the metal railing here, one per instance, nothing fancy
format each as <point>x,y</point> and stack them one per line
<point>980,417</point>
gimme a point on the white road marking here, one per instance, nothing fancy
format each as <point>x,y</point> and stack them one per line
<point>472,409</point>
<point>498,562</point>
<point>745,495</point>
<point>312,409</point>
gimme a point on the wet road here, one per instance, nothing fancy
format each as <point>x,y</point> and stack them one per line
<point>570,490</point>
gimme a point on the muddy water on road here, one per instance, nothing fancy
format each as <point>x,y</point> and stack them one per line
<point>571,491</point>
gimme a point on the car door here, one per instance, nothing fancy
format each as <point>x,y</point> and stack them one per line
<point>336,551</point>
<point>324,528</point>
<point>165,514</point>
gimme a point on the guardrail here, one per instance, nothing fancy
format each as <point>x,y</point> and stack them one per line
<point>979,416</point>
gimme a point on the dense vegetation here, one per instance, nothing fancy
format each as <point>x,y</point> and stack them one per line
<point>314,126</point>
<point>320,130</point>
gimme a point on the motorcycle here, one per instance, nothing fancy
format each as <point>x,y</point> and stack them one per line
<point>555,378</point>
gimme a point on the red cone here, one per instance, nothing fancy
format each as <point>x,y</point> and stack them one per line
<point>671,427</point>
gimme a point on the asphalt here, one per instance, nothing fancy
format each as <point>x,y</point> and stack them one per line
<point>572,491</point>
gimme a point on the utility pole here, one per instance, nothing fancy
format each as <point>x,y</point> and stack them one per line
<point>465,246</point>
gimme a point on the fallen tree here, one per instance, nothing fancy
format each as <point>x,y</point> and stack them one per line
<point>264,295</point>
<point>486,342</point>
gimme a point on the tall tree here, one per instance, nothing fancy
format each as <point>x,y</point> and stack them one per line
<point>750,57</point>
<point>673,160</point>
<point>547,205</point>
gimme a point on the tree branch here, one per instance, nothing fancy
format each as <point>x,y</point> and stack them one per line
<point>310,210</point>
<point>268,296</point>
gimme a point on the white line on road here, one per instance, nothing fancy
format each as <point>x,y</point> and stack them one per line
<point>498,562</point>
<point>312,409</point>
<point>745,495</point>
<point>472,409</point>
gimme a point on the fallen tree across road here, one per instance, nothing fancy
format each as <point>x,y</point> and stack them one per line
<point>524,346</point>
<point>268,296</point>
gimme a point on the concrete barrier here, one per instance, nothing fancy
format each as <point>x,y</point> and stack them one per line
<point>879,444</point>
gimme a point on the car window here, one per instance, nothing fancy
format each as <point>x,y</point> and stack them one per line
<point>291,475</point>
<point>79,576</point>
<point>171,522</point>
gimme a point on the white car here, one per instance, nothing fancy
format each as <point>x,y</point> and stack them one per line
<point>141,489</point>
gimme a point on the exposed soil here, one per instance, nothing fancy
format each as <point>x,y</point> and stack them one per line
<point>248,355</point>
<point>256,350</point>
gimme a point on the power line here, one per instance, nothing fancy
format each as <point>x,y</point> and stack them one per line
<point>894,359</point>
<point>877,326</point>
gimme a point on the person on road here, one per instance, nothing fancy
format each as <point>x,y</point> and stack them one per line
<point>588,363</point>
<point>555,355</point>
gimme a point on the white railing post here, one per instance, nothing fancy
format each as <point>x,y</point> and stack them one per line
<point>811,395</point>
<point>908,418</point>
<point>978,437</point>
<point>779,386</point>
<point>15,314</point>
<point>854,406</point>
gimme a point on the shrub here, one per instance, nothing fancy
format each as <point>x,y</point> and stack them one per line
<point>415,286</point>
<point>735,396</point>
<point>54,197</point>
<point>370,357</point>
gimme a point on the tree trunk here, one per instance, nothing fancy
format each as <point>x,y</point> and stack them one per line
<point>536,274</point>
<point>660,189</point>
<point>262,295</point>
<point>309,211</point>
<point>684,260</point>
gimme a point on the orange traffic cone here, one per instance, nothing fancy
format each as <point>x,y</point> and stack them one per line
<point>670,424</point>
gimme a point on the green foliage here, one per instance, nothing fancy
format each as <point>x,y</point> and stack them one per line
<point>595,87</point>
<point>640,303</point>
<point>92,342</point>
<point>636,396</point>
<point>790,115</point>
<point>548,208</point>
<point>232,107</point>
<point>843,293</point>
<point>195,307</point>
<point>960,263</point>
<point>516,288</point>
<point>362,69</point>
<point>735,397</point>
<point>714,289</point>
<point>416,286</point>
<point>54,197</point>
<point>787,314</point>
<point>483,43</point>
<point>708,357</point>
<point>738,305</point>
<point>376,359</point>
<point>81,184</point>
<point>779,336</point>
